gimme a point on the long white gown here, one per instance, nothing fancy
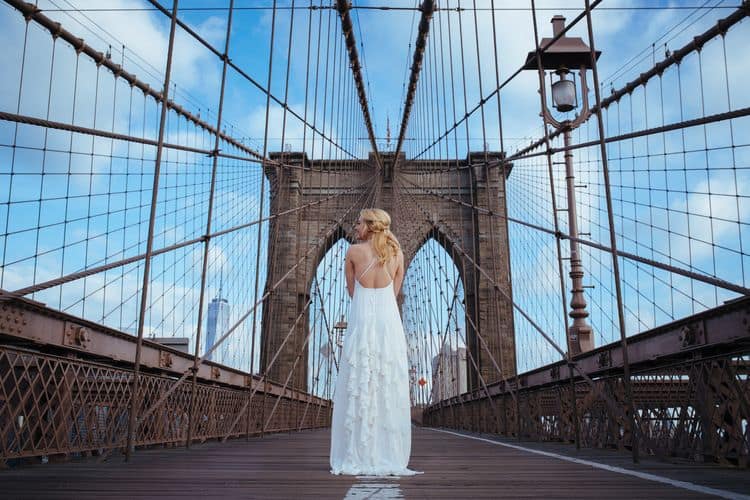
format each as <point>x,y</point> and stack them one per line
<point>371,427</point>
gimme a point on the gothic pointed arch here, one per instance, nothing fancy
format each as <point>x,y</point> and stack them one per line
<point>330,196</point>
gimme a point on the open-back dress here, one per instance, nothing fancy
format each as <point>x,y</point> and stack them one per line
<point>371,428</point>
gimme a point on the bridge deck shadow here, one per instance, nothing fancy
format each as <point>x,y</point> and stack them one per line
<point>296,466</point>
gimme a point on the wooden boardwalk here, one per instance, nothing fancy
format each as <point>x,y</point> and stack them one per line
<point>296,466</point>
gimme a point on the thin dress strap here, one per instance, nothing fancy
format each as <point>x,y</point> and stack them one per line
<point>367,269</point>
<point>385,268</point>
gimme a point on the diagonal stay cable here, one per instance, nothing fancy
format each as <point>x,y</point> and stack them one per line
<point>32,12</point>
<point>304,310</point>
<point>497,89</point>
<point>50,124</point>
<point>696,44</point>
<point>446,231</point>
<point>711,280</point>
<point>7,295</point>
<point>343,8</point>
<point>247,314</point>
<point>253,81</point>
<point>427,8</point>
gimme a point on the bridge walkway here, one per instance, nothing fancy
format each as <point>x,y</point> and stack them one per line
<point>296,466</point>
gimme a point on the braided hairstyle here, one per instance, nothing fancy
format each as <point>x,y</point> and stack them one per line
<point>378,224</point>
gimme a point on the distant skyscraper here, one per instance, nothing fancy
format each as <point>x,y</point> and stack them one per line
<point>448,373</point>
<point>218,324</point>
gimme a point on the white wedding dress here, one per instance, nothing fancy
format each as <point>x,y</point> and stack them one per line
<point>371,427</point>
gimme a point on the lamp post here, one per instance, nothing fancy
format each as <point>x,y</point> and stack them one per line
<point>339,328</point>
<point>332,351</point>
<point>412,381</point>
<point>561,56</point>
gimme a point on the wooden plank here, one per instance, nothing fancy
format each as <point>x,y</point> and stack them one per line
<point>296,466</point>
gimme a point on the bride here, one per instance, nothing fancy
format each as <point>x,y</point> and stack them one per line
<point>371,428</point>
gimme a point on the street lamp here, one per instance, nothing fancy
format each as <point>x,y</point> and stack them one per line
<point>339,329</point>
<point>563,56</point>
<point>564,94</point>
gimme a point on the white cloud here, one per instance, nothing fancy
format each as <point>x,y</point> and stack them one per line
<point>701,208</point>
<point>292,130</point>
<point>145,34</point>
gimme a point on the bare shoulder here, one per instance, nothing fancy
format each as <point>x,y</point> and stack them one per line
<point>356,248</point>
<point>354,252</point>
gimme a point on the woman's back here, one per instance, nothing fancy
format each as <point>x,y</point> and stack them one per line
<point>368,271</point>
<point>371,426</point>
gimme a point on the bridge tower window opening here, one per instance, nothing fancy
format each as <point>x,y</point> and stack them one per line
<point>433,313</point>
<point>329,308</point>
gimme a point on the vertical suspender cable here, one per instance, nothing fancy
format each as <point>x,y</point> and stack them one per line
<point>134,399</point>
<point>207,237</point>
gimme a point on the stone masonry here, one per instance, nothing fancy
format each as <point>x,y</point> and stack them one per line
<point>464,233</point>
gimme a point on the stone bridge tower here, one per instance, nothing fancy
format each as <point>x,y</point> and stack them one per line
<point>467,236</point>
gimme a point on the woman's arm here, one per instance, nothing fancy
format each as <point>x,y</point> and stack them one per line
<point>398,278</point>
<point>349,272</point>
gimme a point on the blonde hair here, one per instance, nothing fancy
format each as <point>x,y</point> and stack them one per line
<point>378,223</point>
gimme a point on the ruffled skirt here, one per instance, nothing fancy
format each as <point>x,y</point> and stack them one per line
<point>371,427</point>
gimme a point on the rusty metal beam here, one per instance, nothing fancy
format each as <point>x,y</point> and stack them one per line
<point>427,8</point>
<point>717,331</point>
<point>343,7</point>
<point>27,323</point>
<point>689,394</point>
<point>59,404</point>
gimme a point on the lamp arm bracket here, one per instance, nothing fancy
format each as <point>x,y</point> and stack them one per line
<point>585,112</point>
<point>548,118</point>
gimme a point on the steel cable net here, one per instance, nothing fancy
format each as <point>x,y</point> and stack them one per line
<point>189,188</point>
<point>328,313</point>
<point>434,318</point>
<point>675,155</point>
<point>679,195</point>
<point>656,167</point>
<point>81,135</point>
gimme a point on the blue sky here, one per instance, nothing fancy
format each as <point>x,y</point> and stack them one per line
<point>667,203</point>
